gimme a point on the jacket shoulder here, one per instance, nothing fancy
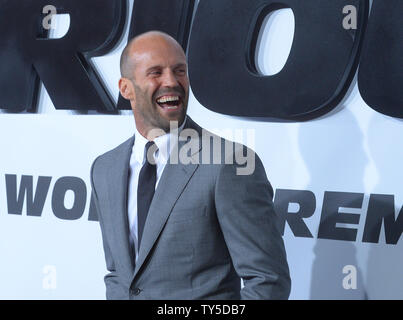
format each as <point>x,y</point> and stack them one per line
<point>105,160</point>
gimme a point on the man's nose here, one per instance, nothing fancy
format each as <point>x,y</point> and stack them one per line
<point>169,79</point>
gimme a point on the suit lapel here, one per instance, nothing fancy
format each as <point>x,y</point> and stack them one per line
<point>171,185</point>
<point>118,188</point>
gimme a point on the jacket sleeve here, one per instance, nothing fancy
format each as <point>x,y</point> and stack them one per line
<point>114,289</point>
<point>249,224</point>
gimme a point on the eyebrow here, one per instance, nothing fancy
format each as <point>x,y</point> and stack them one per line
<point>178,65</point>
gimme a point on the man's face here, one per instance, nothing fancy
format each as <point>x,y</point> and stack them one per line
<point>161,85</point>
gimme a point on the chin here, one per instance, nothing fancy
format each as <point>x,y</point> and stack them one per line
<point>179,117</point>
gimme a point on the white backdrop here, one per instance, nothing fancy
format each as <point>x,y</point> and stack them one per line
<point>351,149</point>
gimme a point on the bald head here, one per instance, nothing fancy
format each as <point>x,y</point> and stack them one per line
<point>155,81</point>
<point>139,44</point>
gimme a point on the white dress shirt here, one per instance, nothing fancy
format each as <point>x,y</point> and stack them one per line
<point>136,162</point>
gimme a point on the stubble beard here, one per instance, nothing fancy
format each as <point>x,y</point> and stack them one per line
<point>148,111</point>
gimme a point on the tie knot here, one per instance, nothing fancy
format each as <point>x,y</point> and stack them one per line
<point>149,152</point>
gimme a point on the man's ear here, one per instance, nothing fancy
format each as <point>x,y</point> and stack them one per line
<point>126,89</point>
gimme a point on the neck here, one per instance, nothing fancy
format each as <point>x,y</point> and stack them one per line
<point>150,132</point>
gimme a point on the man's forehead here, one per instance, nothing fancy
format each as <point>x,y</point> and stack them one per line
<point>157,55</point>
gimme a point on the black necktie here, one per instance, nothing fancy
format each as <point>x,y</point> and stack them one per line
<point>145,188</point>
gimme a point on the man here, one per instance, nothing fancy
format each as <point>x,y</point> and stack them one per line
<point>181,229</point>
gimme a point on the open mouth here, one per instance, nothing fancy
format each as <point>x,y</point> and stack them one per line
<point>171,102</point>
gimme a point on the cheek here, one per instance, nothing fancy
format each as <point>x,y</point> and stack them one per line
<point>185,84</point>
<point>152,90</point>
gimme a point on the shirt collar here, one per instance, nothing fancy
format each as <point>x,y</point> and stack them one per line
<point>163,143</point>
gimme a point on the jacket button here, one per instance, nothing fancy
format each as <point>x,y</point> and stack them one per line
<point>136,291</point>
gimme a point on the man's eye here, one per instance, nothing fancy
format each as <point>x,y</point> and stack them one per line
<point>155,73</point>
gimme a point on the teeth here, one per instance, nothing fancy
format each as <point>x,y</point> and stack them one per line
<point>168,99</point>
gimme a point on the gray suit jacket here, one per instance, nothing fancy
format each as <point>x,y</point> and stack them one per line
<point>207,228</point>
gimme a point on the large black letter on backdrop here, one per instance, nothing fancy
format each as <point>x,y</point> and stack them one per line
<point>62,64</point>
<point>380,77</point>
<point>307,204</point>
<point>78,187</point>
<point>170,16</point>
<point>319,70</point>
<point>332,202</point>
<point>34,199</point>
<point>381,210</point>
